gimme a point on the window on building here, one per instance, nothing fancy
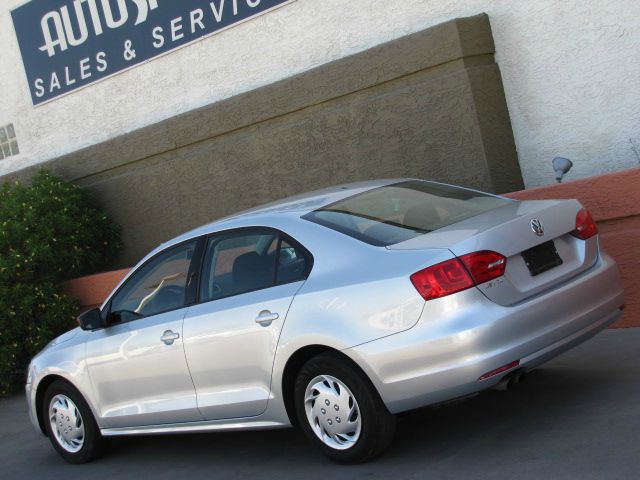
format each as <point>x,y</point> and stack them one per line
<point>8,141</point>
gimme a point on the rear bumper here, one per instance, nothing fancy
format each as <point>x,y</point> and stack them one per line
<point>461,337</point>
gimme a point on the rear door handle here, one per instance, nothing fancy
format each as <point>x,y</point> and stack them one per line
<point>265,318</point>
<point>168,337</point>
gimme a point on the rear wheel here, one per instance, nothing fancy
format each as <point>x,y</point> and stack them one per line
<point>70,424</point>
<point>340,411</point>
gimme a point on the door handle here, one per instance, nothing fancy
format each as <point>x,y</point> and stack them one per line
<point>168,337</point>
<point>265,318</point>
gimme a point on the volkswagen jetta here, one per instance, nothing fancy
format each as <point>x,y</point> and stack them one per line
<point>333,311</point>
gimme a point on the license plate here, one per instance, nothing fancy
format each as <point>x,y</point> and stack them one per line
<point>541,258</point>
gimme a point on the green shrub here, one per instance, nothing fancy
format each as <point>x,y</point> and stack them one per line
<point>50,231</point>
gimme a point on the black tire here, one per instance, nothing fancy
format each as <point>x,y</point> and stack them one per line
<point>93,443</point>
<point>377,424</point>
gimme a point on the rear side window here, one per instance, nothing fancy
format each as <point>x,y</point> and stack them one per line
<point>249,260</point>
<point>238,263</point>
<point>396,213</point>
<point>293,263</point>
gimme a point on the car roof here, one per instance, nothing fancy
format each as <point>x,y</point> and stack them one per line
<point>294,206</point>
<point>307,202</point>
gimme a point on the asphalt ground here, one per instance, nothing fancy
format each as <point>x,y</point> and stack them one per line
<point>576,417</point>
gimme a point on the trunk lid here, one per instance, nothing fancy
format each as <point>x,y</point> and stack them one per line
<point>508,230</point>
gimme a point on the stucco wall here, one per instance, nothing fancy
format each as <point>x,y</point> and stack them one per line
<point>571,71</point>
<point>428,105</point>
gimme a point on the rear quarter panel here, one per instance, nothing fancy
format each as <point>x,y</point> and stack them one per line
<point>355,293</point>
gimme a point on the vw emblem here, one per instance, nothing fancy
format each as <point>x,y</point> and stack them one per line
<point>536,226</point>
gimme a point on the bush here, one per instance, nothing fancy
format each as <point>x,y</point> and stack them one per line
<point>50,231</point>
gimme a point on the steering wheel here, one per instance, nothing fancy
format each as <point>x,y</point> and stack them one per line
<point>167,298</point>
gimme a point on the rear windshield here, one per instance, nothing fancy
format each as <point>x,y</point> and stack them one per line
<point>401,211</point>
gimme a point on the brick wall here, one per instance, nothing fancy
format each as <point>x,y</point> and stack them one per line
<point>614,202</point>
<point>91,291</point>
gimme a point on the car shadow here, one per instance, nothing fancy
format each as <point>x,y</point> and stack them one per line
<point>542,423</point>
<point>575,417</point>
<point>433,433</point>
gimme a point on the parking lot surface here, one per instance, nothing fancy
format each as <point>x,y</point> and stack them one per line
<point>577,417</point>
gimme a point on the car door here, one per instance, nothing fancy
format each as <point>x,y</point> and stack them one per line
<point>248,281</point>
<point>137,365</point>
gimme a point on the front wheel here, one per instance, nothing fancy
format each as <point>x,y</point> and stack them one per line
<point>340,411</point>
<point>70,425</point>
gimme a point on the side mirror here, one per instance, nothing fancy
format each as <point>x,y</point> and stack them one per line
<point>123,316</point>
<point>90,320</point>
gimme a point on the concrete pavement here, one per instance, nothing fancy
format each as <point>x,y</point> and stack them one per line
<point>577,417</point>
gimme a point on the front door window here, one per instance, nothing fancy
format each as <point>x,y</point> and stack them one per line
<point>159,286</point>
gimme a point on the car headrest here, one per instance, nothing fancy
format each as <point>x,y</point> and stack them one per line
<point>422,216</point>
<point>251,270</point>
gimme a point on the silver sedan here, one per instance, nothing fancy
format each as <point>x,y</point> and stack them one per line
<point>332,311</point>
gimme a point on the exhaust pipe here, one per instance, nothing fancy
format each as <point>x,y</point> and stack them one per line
<point>508,381</point>
<point>505,384</point>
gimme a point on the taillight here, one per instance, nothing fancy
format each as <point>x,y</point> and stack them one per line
<point>585,225</point>
<point>484,266</point>
<point>442,279</point>
<point>455,275</point>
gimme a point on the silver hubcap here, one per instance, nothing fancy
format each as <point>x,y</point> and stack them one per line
<point>332,412</point>
<point>66,423</point>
